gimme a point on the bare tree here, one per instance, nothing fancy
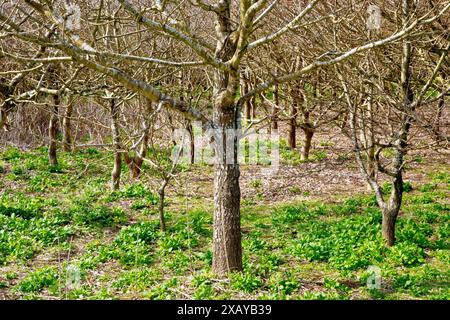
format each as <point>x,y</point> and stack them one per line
<point>239,30</point>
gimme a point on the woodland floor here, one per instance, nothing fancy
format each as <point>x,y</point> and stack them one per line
<point>310,231</point>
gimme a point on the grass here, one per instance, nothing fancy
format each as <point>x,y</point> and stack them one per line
<point>298,250</point>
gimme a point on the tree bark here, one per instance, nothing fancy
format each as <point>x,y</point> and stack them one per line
<point>371,168</point>
<point>388,226</point>
<point>369,138</point>
<point>117,169</point>
<point>436,128</point>
<point>253,105</point>
<point>292,128</point>
<point>3,119</point>
<point>247,105</point>
<point>227,230</point>
<point>276,96</point>
<point>190,130</point>
<point>391,210</point>
<point>308,131</point>
<point>227,250</point>
<point>67,128</point>
<point>116,172</point>
<point>53,131</point>
<point>4,112</point>
<point>162,196</point>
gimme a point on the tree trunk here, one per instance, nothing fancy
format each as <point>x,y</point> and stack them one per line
<point>369,138</point>
<point>390,212</point>
<point>292,126</point>
<point>190,130</point>
<point>253,106</point>
<point>116,172</point>
<point>142,152</point>
<point>162,195</point>
<point>248,112</point>
<point>306,147</point>
<point>7,107</point>
<point>67,125</point>
<point>388,226</point>
<point>436,129</point>
<point>371,169</point>
<point>134,165</point>
<point>276,96</point>
<point>227,250</point>
<point>117,169</point>
<point>53,131</point>
<point>3,119</point>
<point>247,104</point>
